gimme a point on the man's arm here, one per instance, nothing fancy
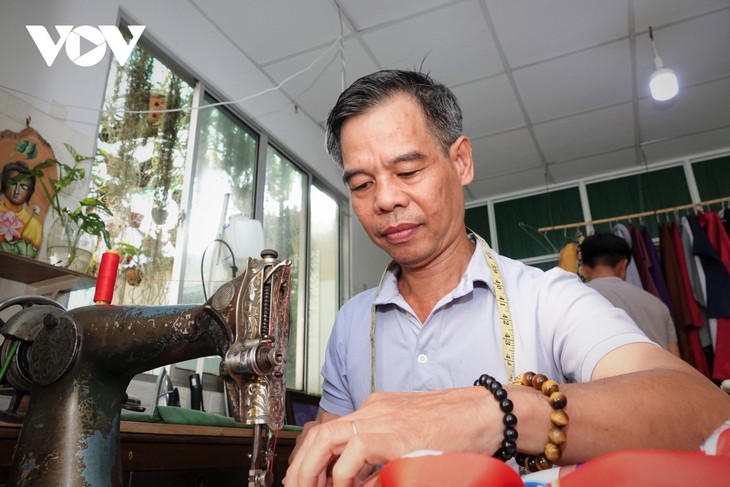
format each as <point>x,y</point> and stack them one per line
<point>641,396</point>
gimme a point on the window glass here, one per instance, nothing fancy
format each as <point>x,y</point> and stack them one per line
<point>141,175</point>
<point>222,192</point>
<point>323,297</point>
<point>285,224</point>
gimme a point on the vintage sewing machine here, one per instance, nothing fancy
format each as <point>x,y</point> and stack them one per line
<point>77,365</point>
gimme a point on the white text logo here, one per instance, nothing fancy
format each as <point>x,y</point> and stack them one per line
<point>71,36</point>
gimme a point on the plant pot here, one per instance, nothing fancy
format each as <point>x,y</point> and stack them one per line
<point>69,247</point>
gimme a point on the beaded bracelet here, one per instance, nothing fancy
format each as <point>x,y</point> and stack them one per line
<point>509,444</point>
<point>558,417</point>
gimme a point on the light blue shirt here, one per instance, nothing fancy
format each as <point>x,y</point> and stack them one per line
<point>562,329</point>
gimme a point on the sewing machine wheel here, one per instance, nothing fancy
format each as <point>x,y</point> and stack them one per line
<point>15,369</point>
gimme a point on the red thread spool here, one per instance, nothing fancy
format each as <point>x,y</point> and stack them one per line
<point>107,277</point>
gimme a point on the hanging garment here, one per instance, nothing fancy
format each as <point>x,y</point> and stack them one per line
<point>720,242</point>
<point>655,269</point>
<point>697,281</point>
<point>632,273</point>
<point>641,257</point>
<point>688,317</point>
<point>717,276</point>
<point>568,258</point>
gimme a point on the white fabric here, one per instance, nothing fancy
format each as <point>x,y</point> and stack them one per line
<point>563,328</point>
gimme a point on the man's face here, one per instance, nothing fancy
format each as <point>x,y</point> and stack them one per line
<point>16,191</point>
<point>405,191</point>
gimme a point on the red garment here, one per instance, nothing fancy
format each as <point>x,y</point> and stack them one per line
<point>712,225</point>
<point>643,262</point>
<point>693,319</point>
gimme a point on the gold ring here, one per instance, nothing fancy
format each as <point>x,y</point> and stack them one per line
<point>354,428</point>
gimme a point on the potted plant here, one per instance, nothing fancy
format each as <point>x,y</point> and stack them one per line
<point>74,233</point>
<point>131,260</point>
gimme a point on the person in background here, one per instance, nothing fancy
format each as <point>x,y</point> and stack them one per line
<point>435,357</point>
<point>605,259</point>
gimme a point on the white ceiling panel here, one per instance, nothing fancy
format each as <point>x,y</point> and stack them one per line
<point>661,12</point>
<point>704,142</point>
<point>250,25</point>
<point>504,153</point>
<point>586,167</point>
<point>576,83</point>
<point>697,109</point>
<point>453,45</point>
<point>507,183</point>
<point>491,108</point>
<point>317,89</point>
<point>365,15</point>
<point>590,133</point>
<point>531,31</point>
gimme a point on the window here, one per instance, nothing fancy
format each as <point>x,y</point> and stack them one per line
<point>223,186</point>
<point>172,210</point>
<point>324,293</point>
<point>285,226</point>
<point>142,173</point>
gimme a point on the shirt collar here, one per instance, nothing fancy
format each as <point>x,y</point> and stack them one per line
<point>476,271</point>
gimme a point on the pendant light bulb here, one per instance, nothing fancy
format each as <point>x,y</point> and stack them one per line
<point>663,83</point>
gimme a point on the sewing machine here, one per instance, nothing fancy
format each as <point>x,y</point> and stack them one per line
<point>76,366</point>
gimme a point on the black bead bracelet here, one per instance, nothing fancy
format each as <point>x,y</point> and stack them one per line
<point>509,444</point>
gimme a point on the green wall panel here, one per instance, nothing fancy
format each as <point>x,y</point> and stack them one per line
<point>713,178</point>
<point>638,193</point>
<point>477,219</point>
<point>517,222</point>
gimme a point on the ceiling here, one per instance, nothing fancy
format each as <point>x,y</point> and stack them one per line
<point>552,90</point>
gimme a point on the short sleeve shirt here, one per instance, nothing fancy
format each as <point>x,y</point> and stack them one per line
<point>562,329</point>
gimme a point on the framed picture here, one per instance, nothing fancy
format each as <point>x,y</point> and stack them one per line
<point>23,203</point>
<point>301,407</point>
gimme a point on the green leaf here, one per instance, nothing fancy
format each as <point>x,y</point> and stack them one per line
<point>21,145</point>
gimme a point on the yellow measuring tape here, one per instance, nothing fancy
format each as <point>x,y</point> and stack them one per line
<point>503,311</point>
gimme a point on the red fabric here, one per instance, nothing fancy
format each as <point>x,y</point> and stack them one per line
<point>642,260</point>
<point>712,225</point>
<point>698,354</point>
<point>449,469</point>
<point>650,468</point>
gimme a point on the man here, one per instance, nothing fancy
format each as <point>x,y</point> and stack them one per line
<point>436,321</point>
<point>605,260</point>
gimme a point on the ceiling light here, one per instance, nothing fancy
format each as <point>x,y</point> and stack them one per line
<point>663,82</point>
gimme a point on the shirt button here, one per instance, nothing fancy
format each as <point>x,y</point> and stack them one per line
<point>422,358</point>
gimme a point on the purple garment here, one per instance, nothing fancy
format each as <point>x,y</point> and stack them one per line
<point>639,253</point>
<point>655,269</point>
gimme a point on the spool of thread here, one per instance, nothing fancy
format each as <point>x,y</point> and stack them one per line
<point>107,277</point>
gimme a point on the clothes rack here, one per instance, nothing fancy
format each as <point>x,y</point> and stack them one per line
<point>634,215</point>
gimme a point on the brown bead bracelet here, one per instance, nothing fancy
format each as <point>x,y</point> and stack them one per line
<point>558,417</point>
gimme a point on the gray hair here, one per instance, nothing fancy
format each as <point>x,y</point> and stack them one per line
<point>439,104</point>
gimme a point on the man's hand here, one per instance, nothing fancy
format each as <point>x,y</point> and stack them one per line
<point>322,417</point>
<point>390,425</point>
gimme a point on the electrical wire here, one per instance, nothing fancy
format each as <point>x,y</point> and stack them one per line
<point>337,43</point>
<point>234,269</point>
